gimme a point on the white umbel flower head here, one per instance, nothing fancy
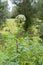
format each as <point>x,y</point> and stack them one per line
<point>21,17</point>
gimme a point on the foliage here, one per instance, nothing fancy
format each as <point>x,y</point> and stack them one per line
<point>21,51</point>
<point>18,47</point>
<point>3,12</point>
<point>31,9</point>
<point>10,26</point>
<point>40,9</point>
<point>14,12</point>
<point>25,8</point>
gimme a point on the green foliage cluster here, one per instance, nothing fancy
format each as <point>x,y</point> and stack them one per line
<point>3,12</point>
<point>21,51</point>
<point>31,9</point>
<point>40,9</point>
<point>25,8</point>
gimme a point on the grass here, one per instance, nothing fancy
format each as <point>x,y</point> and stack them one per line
<point>10,24</point>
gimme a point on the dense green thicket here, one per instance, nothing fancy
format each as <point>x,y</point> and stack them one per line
<point>31,9</point>
<point>21,51</point>
<point>25,8</point>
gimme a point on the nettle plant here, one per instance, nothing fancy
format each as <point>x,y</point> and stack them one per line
<point>21,51</point>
